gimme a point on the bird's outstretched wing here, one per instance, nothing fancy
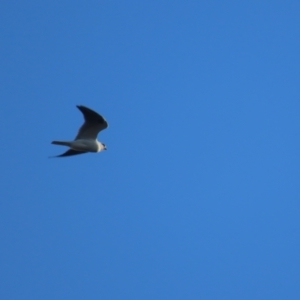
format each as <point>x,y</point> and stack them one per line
<point>70,152</point>
<point>93,124</point>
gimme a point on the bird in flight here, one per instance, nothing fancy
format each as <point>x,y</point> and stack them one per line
<point>86,139</point>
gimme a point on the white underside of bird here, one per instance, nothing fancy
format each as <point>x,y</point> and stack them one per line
<point>87,145</point>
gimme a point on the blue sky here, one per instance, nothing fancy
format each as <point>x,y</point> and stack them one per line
<point>197,196</point>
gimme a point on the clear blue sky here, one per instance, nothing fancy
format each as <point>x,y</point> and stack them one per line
<point>198,194</point>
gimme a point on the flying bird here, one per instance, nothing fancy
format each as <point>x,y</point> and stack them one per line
<point>86,139</point>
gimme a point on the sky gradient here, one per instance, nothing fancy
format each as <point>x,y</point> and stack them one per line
<point>197,196</point>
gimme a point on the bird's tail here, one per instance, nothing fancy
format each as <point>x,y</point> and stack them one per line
<point>61,143</point>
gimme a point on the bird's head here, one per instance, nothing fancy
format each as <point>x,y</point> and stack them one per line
<point>104,146</point>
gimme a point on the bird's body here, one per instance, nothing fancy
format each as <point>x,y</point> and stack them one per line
<point>86,139</point>
<point>82,145</point>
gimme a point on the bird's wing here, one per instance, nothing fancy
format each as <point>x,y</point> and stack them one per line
<point>71,152</point>
<point>93,124</point>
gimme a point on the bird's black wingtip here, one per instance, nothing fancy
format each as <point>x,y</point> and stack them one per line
<point>71,152</point>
